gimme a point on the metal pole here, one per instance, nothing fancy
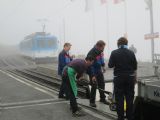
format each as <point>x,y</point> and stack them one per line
<point>43,22</point>
<point>64,30</point>
<point>93,24</point>
<point>125,18</point>
<point>107,26</point>
<point>152,29</point>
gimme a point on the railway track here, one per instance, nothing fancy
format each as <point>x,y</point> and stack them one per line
<point>2,63</point>
<point>52,82</point>
<point>47,81</point>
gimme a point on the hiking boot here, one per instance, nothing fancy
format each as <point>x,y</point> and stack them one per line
<point>61,97</point>
<point>93,105</point>
<point>104,101</point>
<point>79,108</point>
<point>78,114</point>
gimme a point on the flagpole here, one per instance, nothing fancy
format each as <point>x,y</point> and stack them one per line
<point>152,29</point>
<point>150,7</point>
<point>125,19</point>
<point>93,25</point>
<point>107,26</point>
<point>64,30</point>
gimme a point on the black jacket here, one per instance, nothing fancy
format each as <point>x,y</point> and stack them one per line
<point>123,61</point>
<point>99,62</point>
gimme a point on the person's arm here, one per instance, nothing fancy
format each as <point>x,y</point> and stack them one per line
<point>91,71</point>
<point>134,62</point>
<point>135,67</point>
<point>61,63</point>
<point>72,57</point>
<point>67,58</point>
<point>102,62</point>
<point>111,62</point>
<point>62,60</point>
<point>135,77</point>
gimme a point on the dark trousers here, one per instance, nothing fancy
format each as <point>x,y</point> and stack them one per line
<point>72,98</point>
<point>124,87</point>
<point>63,89</point>
<point>100,84</point>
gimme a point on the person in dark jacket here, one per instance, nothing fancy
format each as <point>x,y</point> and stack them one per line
<point>75,68</point>
<point>96,72</point>
<point>63,59</point>
<point>124,63</point>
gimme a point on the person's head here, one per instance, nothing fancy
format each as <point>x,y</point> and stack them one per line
<point>89,60</point>
<point>67,47</point>
<point>122,41</point>
<point>100,45</point>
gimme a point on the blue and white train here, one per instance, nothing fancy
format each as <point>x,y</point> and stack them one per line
<point>39,45</point>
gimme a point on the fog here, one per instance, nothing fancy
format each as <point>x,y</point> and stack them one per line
<point>71,22</point>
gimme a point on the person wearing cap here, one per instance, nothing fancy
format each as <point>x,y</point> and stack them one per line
<point>124,63</point>
<point>71,73</point>
<point>96,72</point>
<point>63,59</point>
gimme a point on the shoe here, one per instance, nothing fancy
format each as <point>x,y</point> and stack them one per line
<point>79,108</point>
<point>78,114</point>
<point>93,105</point>
<point>104,101</point>
<point>63,97</point>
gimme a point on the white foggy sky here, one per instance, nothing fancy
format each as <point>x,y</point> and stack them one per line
<point>19,18</point>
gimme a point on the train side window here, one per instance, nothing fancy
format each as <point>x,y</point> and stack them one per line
<point>41,43</point>
<point>51,43</point>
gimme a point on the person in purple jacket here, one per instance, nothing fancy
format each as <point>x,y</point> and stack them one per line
<point>71,73</point>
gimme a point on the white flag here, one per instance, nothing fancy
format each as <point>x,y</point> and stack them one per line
<point>103,1</point>
<point>118,1</point>
<point>148,2</point>
<point>89,5</point>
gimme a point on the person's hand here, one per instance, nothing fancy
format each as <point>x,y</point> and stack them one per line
<point>103,69</point>
<point>73,56</point>
<point>94,79</point>
<point>135,78</point>
<point>78,81</point>
<point>81,78</point>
